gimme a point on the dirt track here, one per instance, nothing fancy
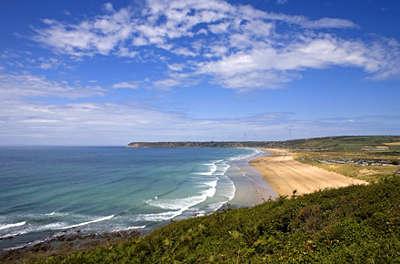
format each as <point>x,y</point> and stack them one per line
<point>286,175</point>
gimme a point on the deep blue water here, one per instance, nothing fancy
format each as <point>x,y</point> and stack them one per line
<point>48,190</point>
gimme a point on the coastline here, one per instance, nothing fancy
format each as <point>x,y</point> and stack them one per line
<point>251,187</point>
<point>288,176</point>
<point>66,243</point>
<point>257,178</point>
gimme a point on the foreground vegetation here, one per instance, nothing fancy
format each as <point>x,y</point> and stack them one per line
<point>357,224</point>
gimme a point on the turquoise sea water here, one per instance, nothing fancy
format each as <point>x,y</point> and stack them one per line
<point>45,191</point>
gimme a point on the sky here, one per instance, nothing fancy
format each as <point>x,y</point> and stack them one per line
<point>109,73</point>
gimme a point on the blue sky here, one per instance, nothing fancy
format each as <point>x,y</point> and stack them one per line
<point>102,73</point>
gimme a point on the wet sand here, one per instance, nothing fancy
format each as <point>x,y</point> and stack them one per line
<point>251,187</point>
<point>286,175</point>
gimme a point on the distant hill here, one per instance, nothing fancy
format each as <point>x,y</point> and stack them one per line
<point>201,144</point>
<point>324,143</point>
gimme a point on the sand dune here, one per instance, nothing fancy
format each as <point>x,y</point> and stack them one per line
<point>286,175</point>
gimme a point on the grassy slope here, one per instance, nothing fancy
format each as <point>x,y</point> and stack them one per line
<point>358,224</point>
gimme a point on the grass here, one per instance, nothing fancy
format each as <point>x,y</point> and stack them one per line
<point>343,144</point>
<point>320,151</point>
<point>370,173</point>
<point>357,224</point>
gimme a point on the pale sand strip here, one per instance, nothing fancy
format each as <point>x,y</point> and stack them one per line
<point>285,174</point>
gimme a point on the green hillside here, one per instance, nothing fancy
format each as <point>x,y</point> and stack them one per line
<point>358,224</point>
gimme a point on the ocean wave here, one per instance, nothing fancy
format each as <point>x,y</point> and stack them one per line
<point>215,206</point>
<point>51,226</point>
<point>7,226</point>
<point>178,205</point>
<point>158,217</point>
<point>218,167</point>
<point>54,213</point>
<point>184,203</point>
<point>231,195</point>
<point>223,169</point>
<point>134,227</point>
<point>87,222</point>
<point>212,168</point>
<point>254,152</point>
<point>11,235</point>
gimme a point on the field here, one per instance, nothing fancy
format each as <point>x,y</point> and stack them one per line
<point>364,158</point>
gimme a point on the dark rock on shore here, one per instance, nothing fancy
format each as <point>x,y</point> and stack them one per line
<point>66,242</point>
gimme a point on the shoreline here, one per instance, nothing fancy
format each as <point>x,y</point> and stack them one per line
<point>290,177</point>
<point>251,187</point>
<point>257,179</point>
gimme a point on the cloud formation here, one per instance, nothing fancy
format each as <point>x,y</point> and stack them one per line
<point>116,124</point>
<point>15,86</point>
<point>239,46</point>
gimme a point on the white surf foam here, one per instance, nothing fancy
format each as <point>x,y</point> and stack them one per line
<point>223,168</point>
<point>215,206</point>
<point>54,213</point>
<point>247,156</point>
<point>212,168</point>
<point>158,217</point>
<point>231,194</point>
<point>7,226</point>
<point>51,214</point>
<point>51,226</point>
<point>88,222</point>
<point>134,227</point>
<point>10,235</point>
<point>179,205</point>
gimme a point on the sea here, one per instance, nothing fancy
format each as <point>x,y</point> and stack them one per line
<point>48,191</point>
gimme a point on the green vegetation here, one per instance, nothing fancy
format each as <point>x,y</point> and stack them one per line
<point>364,166</point>
<point>368,158</point>
<point>345,143</point>
<point>357,224</point>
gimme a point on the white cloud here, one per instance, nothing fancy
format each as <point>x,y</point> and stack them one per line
<point>184,52</point>
<point>29,123</point>
<point>126,85</point>
<point>14,86</point>
<point>49,63</point>
<point>267,67</point>
<point>219,28</point>
<point>167,83</point>
<point>176,67</point>
<point>241,46</point>
<point>104,34</point>
<point>100,35</point>
<point>108,7</point>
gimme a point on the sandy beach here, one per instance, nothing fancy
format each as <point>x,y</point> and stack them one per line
<point>251,187</point>
<point>286,175</point>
